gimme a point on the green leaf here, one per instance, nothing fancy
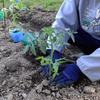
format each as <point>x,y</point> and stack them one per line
<point>5,15</point>
<point>66,43</point>
<point>17,14</point>
<point>62,62</point>
<point>20,29</point>
<point>42,48</point>
<point>57,34</point>
<point>54,75</point>
<point>42,61</point>
<point>12,18</point>
<point>40,57</point>
<point>46,63</point>
<point>54,39</point>
<point>43,35</point>
<point>17,17</point>
<point>61,40</point>
<point>72,37</point>
<point>32,48</point>
<point>45,44</point>
<point>26,48</point>
<point>10,26</point>
<point>55,66</point>
<point>47,59</point>
<point>31,8</point>
<point>10,15</point>
<point>36,34</point>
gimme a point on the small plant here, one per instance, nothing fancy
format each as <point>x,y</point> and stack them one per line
<point>20,6</point>
<point>13,15</point>
<point>42,42</point>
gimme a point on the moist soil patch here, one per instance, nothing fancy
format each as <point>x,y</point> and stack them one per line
<point>19,73</point>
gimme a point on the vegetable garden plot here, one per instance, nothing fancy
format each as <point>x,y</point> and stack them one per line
<point>19,77</point>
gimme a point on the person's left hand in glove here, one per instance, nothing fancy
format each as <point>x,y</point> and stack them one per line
<point>44,70</point>
<point>66,77</point>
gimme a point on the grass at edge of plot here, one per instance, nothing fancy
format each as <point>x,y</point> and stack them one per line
<point>46,4</point>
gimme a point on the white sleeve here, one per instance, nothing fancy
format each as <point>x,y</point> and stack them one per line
<point>90,65</point>
<point>67,17</point>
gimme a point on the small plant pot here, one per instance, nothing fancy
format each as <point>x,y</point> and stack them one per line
<point>17,1</point>
<point>16,35</point>
<point>0,16</point>
<point>25,41</point>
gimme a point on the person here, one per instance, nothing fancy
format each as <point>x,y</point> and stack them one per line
<point>82,16</point>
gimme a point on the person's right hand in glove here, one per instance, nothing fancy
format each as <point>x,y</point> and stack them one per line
<point>44,70</point>
<point>69,75</point>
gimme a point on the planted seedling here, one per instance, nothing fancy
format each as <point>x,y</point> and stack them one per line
<point>13,15</point>
<point>20,6</point>
<point>43,42</point>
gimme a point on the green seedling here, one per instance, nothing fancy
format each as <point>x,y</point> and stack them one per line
<point>13,15</point>
<point>31,8</point>
<point>20,6</point>
<point>43,43</point>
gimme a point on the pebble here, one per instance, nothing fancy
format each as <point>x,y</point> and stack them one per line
<point>4,82</point>
<point>58,95</point>
<point>45,82</point>
<point>2,48</point>
<point>10,97</point>
<point>46,91</point>
<point>28,78</point>
<point>12,66</point>
<point>53,94</point>
<point>1,29</point>
<point>17,84</point>
<point>12,82</point>
<point>54,88</point>
<point>98,89</point>
<point>89,90</point>
<point>24,95</point>
<point>39,88</point>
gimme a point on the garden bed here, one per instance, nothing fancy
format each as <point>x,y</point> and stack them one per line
<point>19,75</point>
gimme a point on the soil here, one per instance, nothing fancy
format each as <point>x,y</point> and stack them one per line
<point>19,73</point>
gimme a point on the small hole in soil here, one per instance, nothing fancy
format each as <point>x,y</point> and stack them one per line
<point>16,31</point>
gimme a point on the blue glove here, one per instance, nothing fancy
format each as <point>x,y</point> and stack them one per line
<point>44,70</point>
<point>66,77</point>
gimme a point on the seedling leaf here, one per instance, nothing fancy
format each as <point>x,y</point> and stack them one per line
<point>61,40</point>
<point>31,8</point>
<point>26,48</point>
<point>39,58</point>
<point>32,48</point>
<point>42,48</point>
<point>36,34</point>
